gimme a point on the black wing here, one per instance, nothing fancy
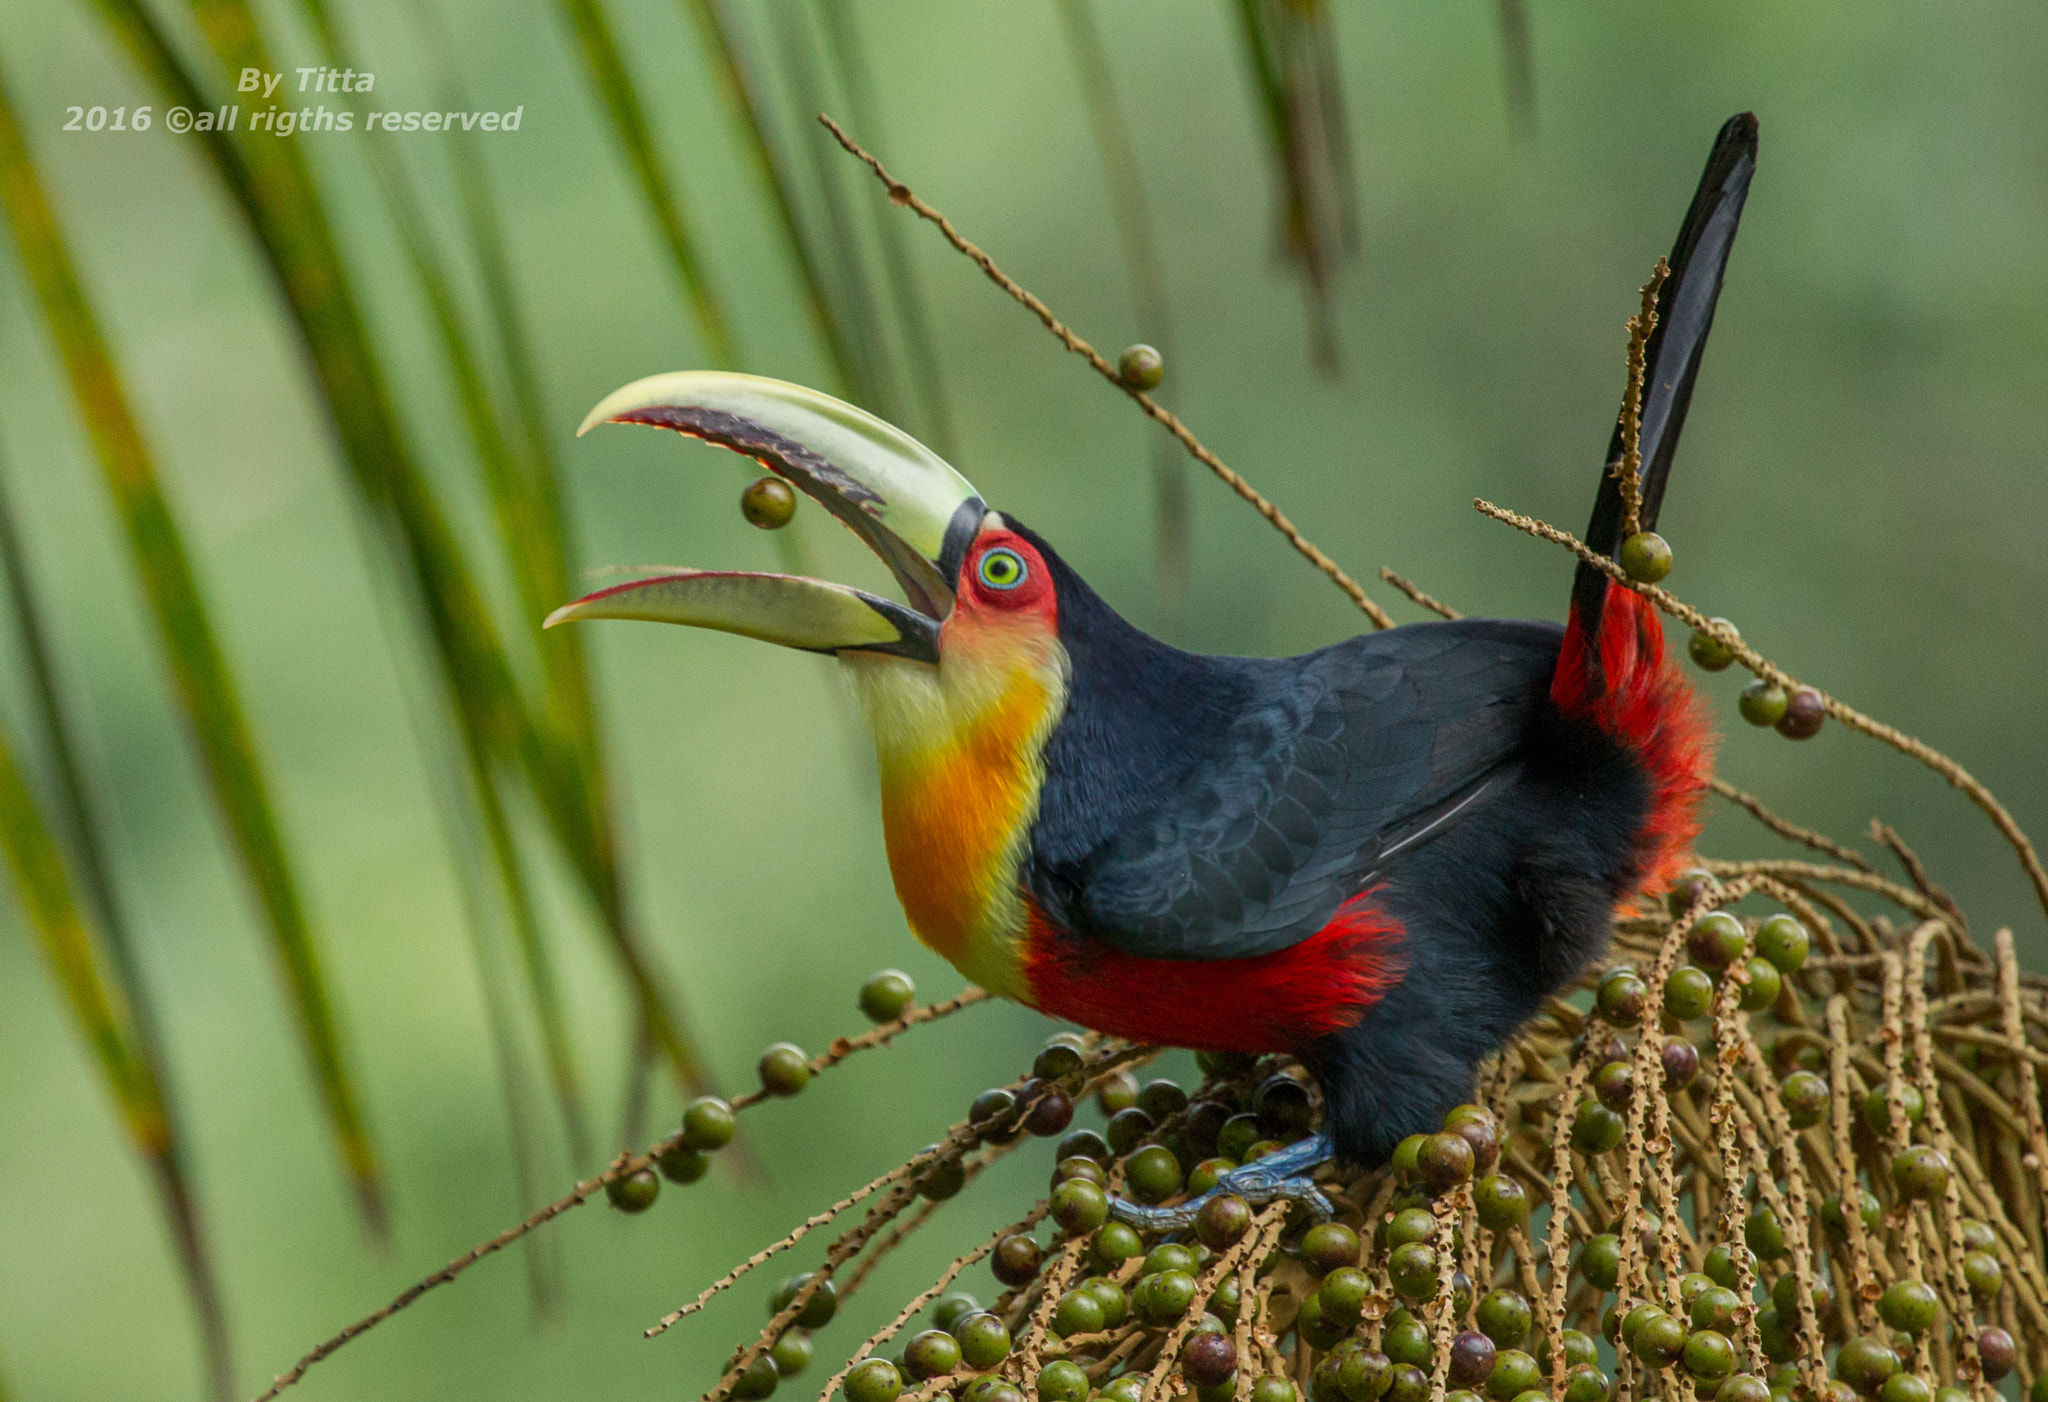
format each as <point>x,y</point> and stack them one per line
<point>1338,761</point>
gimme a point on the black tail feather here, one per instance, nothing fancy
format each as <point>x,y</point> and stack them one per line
<point>1685,313</point>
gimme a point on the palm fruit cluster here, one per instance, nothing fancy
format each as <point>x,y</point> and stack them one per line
<point>1777,1148</point>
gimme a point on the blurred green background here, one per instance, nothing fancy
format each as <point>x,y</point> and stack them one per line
<point>1861,489</point>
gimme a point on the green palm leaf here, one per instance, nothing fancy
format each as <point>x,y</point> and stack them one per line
<point>205,692</point>
<point>629,124</point>
<point>168,1162</point>
<point>274,193</point>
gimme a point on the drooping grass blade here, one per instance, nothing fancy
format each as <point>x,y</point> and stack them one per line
<point>79,821</point>
<point>628,116</point>
<point>1518,59</point>
<point>1140,247</point>
<point>534,555</point>
<point>206,694</point>
<point>283,210</point>
<point>742,95</point>
<point>1290,53</point>
<point>844,51</point>
<point>870,352</point>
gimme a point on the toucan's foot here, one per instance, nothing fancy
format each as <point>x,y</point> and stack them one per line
<point>1282,1174</point>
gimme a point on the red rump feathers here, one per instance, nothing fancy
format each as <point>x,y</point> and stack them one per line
<point>1270,1002</point>
<point>1629,691</point>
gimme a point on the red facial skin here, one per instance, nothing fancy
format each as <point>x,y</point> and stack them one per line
<point>978,602</point>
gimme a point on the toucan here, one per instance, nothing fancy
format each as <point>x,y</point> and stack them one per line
<point>1379,857</point>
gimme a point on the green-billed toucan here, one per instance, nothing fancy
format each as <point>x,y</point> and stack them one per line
<point>1379,857</point>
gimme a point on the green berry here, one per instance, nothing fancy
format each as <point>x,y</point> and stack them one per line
<point>1877,1111</point>
<point>1117,1093</point>
<point>708,1123</point>
<point>931,1354</point>
<point>1865,1363</point>
<point>785,1069</point>
<point>1659,1341</point>
<point>1411,1224</point>
<point>758,1381</point>
<point>1720,1266</point>
<point>1615,1085</point>
<point>1116,1306</point>
<point>1116,1242</point>
<point>1708,1355</point>
<point>1709,653</point>
<point>1408,1341</point>
<point>1688,993</point>
<point>1984,1275</point>
<point>1586,1383</point>
<point>768,502</point>
<point>1621,996</point>
<point>1763,1233</point>
<point>1075,1167</point>
<point>875,1380</point>
<point>1908,1305</point>
<point>943,1179</point>
<point>1161,1299</point>
<point>1501,1202</point>
<point>1059,1058</point>
<point>1715,1308</point>
<point>1084,1144</point>
<point>1078,1312</point>
<point>1784,941</point>
<point>1646,557</point>
<point>1689,887</point>
<point>635,1191</point>
<point>1274,1388</point>
<point>1978,1236</point>
<point>1744,1387</point>
<point>1514,1372</point>
<point>1207,1174</point>
<point>1062,1381</point>
<point>984,1340</point>
<point>1016,1260</point>
<point>1343,1293</point>
<point>1222,1221</point>
<point>1237,1136</point>
<point>1410,1384</point>
<point>1413,1270</point>
<point>682,1164</point>
<point>817,1311</point>
<point>1169,1256</point>
<point>1162,1099</point>
<point>1128,1388</point>
<point>1579,1350</point>
<point>1805,1098</point>
<point>791,1354</point>
<point>1224,1299</point>
<point>1079,1207</point>
<point>1327,1246</point>
<point>1141,367</point>
<point>1716,940</point>
<point>1127,1129</point>
<point>1153,1173</point>
<point>1595,1128</point>
<point>1444,1161</point>
<point>1761,703</point>
<point>1904,1387</point>
<point>1765,982</point>
<point>886,996</point>
<point>1600,1261</point>
<point>1408,1154</point>
<point>1920,1172</point>
<point>1505,1317</point>
<point>953,1308</point>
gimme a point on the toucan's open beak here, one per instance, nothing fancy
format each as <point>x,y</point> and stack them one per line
<point>899,497</point>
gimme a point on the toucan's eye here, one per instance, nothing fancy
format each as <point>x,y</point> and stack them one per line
<point>1003,569</point>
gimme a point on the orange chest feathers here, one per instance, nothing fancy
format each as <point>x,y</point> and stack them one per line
<point>958,752</point>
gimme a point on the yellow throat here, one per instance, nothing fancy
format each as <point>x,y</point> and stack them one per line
<point>958,750</point>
